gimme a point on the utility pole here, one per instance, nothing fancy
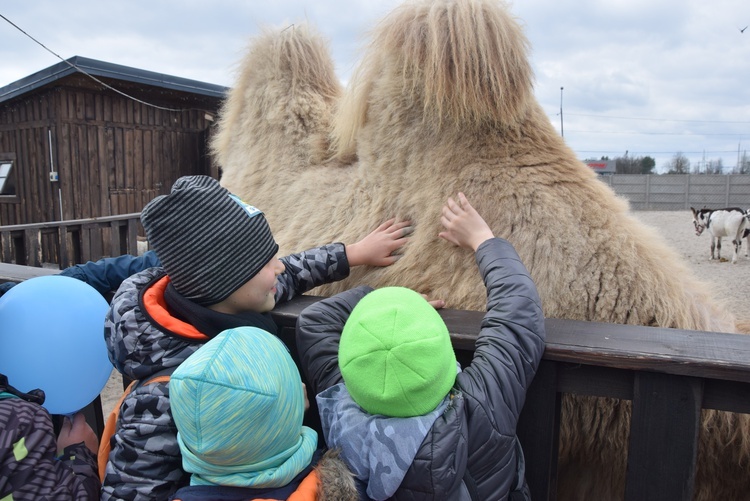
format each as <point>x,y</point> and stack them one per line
<point>738,157</point>
<point>562,130</point>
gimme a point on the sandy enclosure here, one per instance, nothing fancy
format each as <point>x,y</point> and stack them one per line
<point>731,283</point>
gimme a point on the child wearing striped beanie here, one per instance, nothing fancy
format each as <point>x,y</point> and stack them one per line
<point>209,241</point>
<point>218,271</point>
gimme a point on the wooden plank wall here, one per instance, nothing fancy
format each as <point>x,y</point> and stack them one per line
<point>23,126</point>
<point>113,154</point>
<point>124,152</point>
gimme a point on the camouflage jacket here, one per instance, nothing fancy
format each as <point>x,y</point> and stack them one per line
<point>29,468</point>
<point>471,450</point>
<point>145,462</point>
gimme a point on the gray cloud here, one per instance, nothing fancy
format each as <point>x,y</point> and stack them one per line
<point>681,64</point>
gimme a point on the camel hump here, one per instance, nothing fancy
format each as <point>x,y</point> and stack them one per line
<point>282,99</point>
<point>463,62</point>
<point>297,56</point>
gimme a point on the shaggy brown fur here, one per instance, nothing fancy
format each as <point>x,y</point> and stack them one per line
<point>443,102</point>
<point>336,481</point>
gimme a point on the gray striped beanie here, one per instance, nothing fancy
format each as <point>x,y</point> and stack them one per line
<point>209,241</point>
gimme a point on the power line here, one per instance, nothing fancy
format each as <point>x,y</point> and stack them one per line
<point>659,119</point>
<point>88,74</point>
<point>635,153</point>
<point>660,133</point>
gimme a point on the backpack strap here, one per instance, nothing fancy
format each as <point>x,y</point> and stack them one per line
<point>161,376</point>
<point>105,442</point>
<point>7,391</point>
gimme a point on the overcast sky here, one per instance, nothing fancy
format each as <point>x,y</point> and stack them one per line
<point>650,77</point>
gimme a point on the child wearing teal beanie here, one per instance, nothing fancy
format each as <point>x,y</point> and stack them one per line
<point>238,403</point>
<point>410,422</point>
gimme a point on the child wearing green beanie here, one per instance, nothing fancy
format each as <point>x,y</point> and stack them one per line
<point>410,422</point>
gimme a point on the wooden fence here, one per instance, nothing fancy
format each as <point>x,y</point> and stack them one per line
<point>669,375</point>
<point>66,243</point>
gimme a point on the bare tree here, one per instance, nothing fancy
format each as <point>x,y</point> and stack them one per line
<point>679,164</point>
<point>744,166</point>
<point>715,166</point>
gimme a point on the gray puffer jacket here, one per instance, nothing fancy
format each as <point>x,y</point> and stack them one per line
<point>143,339</point>
<point>472,446</point>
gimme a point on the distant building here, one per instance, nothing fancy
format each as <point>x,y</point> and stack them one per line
<point>602,166</point>
<point>72,148</point>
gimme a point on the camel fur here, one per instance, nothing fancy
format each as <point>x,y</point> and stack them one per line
<point>443,102</point>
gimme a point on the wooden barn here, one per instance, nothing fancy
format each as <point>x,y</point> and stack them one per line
<point>87,138</point>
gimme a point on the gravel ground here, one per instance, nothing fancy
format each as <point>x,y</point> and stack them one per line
<point>731,282</point>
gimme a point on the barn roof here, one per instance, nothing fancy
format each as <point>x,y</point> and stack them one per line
<point>108,71</point>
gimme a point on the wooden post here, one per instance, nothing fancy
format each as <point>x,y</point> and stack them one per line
<point>62,236</point>
<point>539,430</point>
<point>7,247</point>
<point>77,253</point>
<point>663,442</point>
<point>85,243</point>
<point>32,240</point>
<point>116,238</point>
<point>133,236</point>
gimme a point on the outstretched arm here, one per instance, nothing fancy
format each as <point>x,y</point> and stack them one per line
<point>332,262</point>
<point>106,274</point>
<point>379,247</point>
<point>319,328</point>
<point>511,341</point>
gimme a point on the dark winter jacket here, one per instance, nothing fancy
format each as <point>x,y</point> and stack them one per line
<point>144,337</point>
<point>104,275</point>
<point>328,480</point>
<point>473,444</point>
<point>30,468</point>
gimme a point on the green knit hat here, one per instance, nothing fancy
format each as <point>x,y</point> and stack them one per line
<point>395,354</point>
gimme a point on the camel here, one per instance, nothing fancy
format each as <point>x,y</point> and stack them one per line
<point>442,101</point>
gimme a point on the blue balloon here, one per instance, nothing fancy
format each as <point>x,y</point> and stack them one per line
<point>52,337</point>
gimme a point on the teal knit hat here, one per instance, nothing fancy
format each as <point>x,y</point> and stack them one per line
<point>238,404</point>
<point>395,354</point>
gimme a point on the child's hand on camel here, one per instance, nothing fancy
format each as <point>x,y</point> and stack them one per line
<point>379,247</point>
<point>463,224</point>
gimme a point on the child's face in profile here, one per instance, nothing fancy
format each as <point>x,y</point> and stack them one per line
<point>257,294</point>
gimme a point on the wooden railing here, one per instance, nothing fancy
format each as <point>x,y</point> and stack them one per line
<point>66,243</point>
<point>668,374</point>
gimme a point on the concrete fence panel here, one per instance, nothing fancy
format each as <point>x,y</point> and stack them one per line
<point>681,191</point>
